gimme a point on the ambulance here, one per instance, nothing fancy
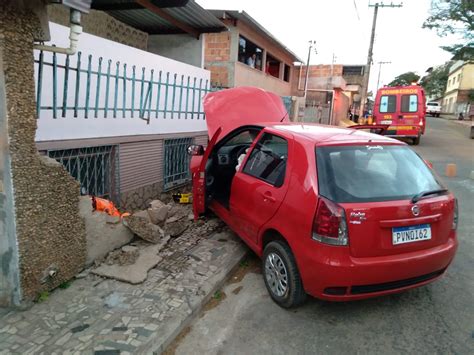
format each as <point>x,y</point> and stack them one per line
<point>403,109</point>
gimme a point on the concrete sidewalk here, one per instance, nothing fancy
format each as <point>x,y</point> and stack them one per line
<point>104,316</point>
<point>466,122</point>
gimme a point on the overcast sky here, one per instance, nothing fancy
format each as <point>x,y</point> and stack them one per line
<point>338,28</point>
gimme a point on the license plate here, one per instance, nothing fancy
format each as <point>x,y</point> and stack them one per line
<point>386,122</point>
<point>402,235</point>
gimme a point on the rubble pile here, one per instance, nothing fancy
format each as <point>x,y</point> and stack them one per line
<point>159,220</point>
<point>126,255</point>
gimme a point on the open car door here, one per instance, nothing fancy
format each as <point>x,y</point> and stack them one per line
<point>198,171</point>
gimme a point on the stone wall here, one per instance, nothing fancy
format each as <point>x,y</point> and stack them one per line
<point>100,24</point>
<point>49,230</point>
<point>139,198</point>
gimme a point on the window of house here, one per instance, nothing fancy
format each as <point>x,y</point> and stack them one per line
<point>250,53</point>
<point>388,104</point>
<point>286,74</point>
<point>353,70</point>
<point>459,77</point>
<point>272,66</point>
<point>449,82</point>
<point>267,161</point>
<point>409,103</point>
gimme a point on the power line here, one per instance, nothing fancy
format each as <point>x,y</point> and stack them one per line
<point>356,9</point>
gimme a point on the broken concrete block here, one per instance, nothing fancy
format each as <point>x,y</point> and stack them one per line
<point>102,237</point>
<point>175,226</point>
<point>129,249</point>
<point>112,219</point>
<point>158,215</point>
<point>143,228</point>
<point>156,204</point>
<point>142,214</point>
<point>137,272</point>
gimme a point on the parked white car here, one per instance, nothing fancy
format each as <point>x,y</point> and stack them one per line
<point>433,108</point>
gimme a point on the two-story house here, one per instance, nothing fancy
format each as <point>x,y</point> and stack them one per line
<point>460,84</point>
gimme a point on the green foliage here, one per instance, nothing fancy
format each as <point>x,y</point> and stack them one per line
<point>217,295</point>
<point>244,263</point>
<point>435,82</point>
<point>405,79</point>
<point>454,17</point>
<point>43,296</point>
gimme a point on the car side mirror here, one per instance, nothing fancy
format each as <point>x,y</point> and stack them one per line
<point>196,150</point>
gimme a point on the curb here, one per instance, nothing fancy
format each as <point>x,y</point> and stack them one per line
<point>222,277</point>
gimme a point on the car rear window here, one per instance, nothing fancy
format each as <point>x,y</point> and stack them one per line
<point>372,173</point>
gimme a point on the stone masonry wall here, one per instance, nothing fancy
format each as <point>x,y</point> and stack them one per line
<point>100,24</point>
<point>50,233</point>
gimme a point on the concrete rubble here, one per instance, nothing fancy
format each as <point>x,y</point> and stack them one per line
<point>103,315</point>
<point>135,272</point>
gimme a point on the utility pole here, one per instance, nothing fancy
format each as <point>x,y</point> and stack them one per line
<point>370,54</point>
<point>311,44</point>
<point>380,70</point>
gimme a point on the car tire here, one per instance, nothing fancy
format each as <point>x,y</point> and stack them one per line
<point>281,275</point>
<point>416,140</point>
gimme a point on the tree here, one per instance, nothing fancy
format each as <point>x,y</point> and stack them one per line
<point>454,17</point>
<point>405,79</point>
<point>435,82</point>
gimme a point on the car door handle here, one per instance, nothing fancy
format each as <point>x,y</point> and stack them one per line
<point>267,196</point>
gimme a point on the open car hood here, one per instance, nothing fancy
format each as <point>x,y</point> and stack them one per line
<point>232,108</point>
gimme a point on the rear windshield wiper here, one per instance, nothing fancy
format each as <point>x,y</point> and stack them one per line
<point>419,196</point>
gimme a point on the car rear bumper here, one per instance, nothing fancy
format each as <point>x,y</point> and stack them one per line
<point>337,276</point>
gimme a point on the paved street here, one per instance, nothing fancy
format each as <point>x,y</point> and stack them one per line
<point>438,318</point>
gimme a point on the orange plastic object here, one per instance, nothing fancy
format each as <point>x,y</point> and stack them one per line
<point>103,205</point>
<point>451,170</point>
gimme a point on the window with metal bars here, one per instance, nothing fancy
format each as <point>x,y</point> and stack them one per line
<point>176,162</point>
<point>96,169</point>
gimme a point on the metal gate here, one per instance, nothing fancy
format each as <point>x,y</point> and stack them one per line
<point>176,162</point>
<point>96,169</point>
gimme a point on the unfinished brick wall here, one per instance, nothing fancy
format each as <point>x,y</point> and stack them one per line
<point>100,24</point>
<point>50,233</point>
<point>217,55</point>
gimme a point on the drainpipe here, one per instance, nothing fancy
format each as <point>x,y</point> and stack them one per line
<point>75,30</point>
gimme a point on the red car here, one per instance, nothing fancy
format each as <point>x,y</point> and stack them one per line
<point>336,213</point>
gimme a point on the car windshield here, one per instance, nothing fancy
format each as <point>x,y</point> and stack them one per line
<point>372,173</point>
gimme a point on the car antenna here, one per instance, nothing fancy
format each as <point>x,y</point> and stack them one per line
<point>286,114</point>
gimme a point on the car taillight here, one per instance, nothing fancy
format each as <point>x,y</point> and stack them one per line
<point>455,215</point>
<point>329,223</point>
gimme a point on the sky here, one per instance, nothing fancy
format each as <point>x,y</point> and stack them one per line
<point>339,29</point>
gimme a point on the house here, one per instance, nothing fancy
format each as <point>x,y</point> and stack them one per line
<point>459,88</point>
<point>123,110</point>
<point>248,55</point>
<point>332,90</point>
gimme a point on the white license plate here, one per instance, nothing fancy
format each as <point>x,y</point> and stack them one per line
<point>402,235</point>
<point>386,122</point>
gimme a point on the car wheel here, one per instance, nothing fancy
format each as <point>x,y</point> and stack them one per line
<point>416,140</point>
<point>281,275</point>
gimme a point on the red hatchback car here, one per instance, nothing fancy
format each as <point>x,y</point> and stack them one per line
<point>336,213</point>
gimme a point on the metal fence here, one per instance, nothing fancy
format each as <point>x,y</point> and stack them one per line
<point>96,169</point>
<point>176,162</point>
<point>93,88</point>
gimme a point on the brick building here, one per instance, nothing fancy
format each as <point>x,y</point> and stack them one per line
<point>248,55</point>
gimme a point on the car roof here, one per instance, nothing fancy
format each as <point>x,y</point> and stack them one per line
<point>323,134</point>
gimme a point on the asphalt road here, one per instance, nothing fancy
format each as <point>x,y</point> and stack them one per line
<point>438,318</point>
